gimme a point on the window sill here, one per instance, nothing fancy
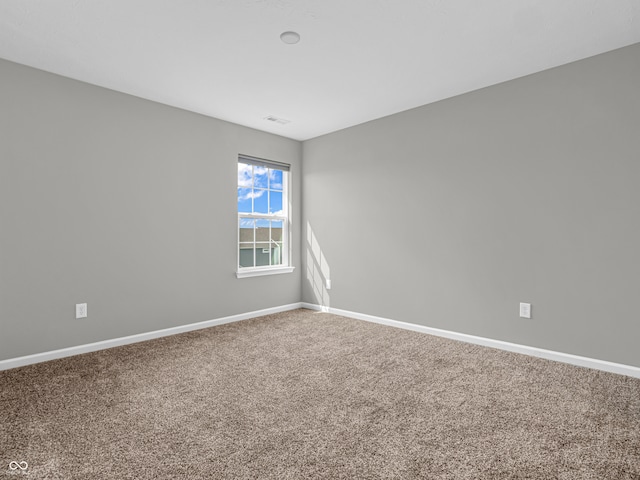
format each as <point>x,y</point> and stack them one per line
<point>258,272</point>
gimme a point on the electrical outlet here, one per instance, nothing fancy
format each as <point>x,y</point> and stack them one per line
<point>327,283</point>
<point>81,310</point>
<point>525,310</point>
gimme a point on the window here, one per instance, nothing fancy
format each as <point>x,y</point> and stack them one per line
<point>263,217</point>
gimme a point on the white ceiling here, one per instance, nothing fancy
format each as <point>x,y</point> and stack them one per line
<point>358,59</point>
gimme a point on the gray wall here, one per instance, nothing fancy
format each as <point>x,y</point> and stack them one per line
<point>125,204</point>
<point>525,191</point>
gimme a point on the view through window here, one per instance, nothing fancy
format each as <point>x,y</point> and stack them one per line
<point>262,214</point>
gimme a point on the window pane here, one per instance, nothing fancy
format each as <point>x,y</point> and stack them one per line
<point>276,254</point>
<point>262,254</point>
<point>276,231</point>
<point>260,177</point>
<point>246,255</point>
<point>248,223</point>
<point>262,231</point>
<point>244,175</point>
<point>260,201</point>
<point>244,200</point>
<point>275,179</point>
<point>276,243</point>
<point>275,202</point>
<point>246,239</point>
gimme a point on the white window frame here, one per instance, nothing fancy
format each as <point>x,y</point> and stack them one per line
<point>285,266</point>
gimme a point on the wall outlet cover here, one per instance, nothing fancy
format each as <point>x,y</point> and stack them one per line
<point>81,310</point>
<point>525,310</point>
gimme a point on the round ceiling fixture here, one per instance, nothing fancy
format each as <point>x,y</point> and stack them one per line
<point>290,38</point>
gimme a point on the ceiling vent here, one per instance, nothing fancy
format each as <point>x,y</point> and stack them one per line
<point>279,121</point>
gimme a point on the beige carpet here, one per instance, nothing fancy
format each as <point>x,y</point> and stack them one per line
<point>303,395</point>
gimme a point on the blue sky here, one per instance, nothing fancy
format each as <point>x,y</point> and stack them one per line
<point>259,189</point>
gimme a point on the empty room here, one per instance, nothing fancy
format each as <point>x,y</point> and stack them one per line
<point>304,239</point>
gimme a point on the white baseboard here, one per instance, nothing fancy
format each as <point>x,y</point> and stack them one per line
<point>488,342</point>
<point>116,342</point>
<point>587,362</point>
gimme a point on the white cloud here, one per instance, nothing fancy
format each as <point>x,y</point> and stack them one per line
<point>272,181</point>
<point>251,194</point>
<point>244,175</point>
<point>247,174</point>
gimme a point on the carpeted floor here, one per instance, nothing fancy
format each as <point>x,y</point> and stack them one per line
<point>302,395</point>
